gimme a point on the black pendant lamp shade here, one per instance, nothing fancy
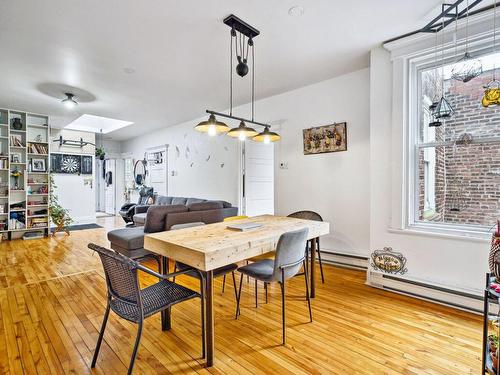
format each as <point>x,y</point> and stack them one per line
<point>443,109</point>
<point>212,126</point>
<point>242,132</point>
<point>266,136</point>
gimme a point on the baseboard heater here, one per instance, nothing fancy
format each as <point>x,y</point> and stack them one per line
<point>345,260</point>
<point>433,293</point>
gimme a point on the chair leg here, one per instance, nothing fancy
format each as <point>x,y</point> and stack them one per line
<point>320,262</point>
<point>256,293</point>
<point>283,310</point>
<point>223,283</point>
<point>308,297</point>
<point>202,298</point>
<point>136,347</point>
<point>307,255</point>
<point>234,286</point>
<point>265,287</point>
<point>238,298</point>
<point>101,335</point>
<point>175,270</point>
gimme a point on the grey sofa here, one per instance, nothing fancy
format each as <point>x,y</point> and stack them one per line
<point>141,211</point>
<point>159,218</point>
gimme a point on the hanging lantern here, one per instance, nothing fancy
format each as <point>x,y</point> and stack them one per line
<point>443,109</point>
<point>467,68</point>
<point>491,94</point>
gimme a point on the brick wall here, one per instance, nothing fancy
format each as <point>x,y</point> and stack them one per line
<point>467,177</point>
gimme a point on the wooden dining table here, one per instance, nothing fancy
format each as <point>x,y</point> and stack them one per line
<point>212,246</point>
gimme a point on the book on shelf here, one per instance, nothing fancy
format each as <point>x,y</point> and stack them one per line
<point>16,141</point>
<point>37,148</point>
<point>4,163</point>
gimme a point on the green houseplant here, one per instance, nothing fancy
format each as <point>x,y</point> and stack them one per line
<point>100,153</point>
<point>58,214</point>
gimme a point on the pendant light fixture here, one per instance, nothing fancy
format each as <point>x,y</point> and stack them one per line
<point>492,89</point>
<point>432,108</point>
<point>242,36</point>
<point>212,127</point>
<point>467,68</point>
<point>443,108</point>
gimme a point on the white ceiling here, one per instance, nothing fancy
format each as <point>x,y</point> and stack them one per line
<point>179,51</point>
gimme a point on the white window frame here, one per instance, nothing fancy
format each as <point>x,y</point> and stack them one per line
<point>409,56</point>
<point>415,145</point>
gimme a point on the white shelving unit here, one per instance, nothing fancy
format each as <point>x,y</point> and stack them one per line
<point>24,201</point>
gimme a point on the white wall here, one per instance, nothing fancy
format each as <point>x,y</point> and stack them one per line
<point>336,184</point>
<point>75,192</point>
<point>457,263</point>
<point>203,167</point>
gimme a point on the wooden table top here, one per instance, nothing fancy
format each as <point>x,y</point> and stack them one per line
<point>211,246</point>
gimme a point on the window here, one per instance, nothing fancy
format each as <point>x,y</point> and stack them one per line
<point>456,179</point>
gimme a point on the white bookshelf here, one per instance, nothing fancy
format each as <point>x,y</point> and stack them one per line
<point>24,201</point>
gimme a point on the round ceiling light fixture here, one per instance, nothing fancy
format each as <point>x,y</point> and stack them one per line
<point>296,11</point>
<point>69,102</point>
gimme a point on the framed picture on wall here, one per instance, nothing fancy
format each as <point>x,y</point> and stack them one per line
<point>86,164</point>
<point>15,157</point>
<point>328,138</point>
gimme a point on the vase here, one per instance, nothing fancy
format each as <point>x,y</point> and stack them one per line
<point>17,124</point>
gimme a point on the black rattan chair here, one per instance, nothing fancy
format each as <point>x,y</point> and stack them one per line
<point>130,302</point>
<point>311,215</point>
<point>289,258</point>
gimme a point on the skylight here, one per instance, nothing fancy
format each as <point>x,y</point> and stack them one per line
<point>97,124</point>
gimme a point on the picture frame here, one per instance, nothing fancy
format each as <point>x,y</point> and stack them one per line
<point>15,157</point>
<point>38,165</point>
<point>324,139</point>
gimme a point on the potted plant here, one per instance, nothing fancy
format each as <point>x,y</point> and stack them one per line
<point>100,153</point>
<point>58,214</point>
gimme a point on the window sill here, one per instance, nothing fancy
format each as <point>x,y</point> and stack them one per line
<point>447,233</point>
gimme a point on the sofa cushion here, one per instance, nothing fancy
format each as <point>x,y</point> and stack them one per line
<point>155,219</point>
<point>224,204</point>
<point>127,238</point>
<point>140,219</point>
<point>205,206</point>
<point>162,200</point>
<point>179,200</point>
<point>194,200</point>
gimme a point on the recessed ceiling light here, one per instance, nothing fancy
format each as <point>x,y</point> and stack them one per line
<point>129,70</point>
<point>97,124</point>
<point>296,11</point>
<point>69,102</point>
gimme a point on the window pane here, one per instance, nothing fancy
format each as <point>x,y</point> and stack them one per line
<point>465,98</point>
<point>459,184</point>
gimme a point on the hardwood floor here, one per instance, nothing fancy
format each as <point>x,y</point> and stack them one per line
<point>53,295</point>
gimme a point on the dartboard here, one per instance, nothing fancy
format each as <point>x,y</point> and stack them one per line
<point>70,164</point>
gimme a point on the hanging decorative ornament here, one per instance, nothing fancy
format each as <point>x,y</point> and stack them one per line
<point>492,90</point>
<point>443,109</point>
<point>432,108</point>
<point>467,68</point>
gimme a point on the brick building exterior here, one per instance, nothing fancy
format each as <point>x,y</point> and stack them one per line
<point>466,177</point>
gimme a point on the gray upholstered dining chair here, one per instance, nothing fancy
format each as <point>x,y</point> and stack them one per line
<point>311,215</point>
<point>130,302</point>
<point>221,271</point>
<point>290,257</point>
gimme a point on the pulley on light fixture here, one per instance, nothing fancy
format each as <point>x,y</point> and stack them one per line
<point>69,102</point>
<point>242,132</point>
<point>212,127</point>
<point>266,136</point>
<point>242,37</point>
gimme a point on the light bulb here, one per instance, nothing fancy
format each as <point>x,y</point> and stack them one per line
<point>69,104</point>
<point>267,139</point>
<point>212,131</point>
<point>242,136</point>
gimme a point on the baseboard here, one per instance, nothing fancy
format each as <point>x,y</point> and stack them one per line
<point>346,260</point>
<point>459,299</point>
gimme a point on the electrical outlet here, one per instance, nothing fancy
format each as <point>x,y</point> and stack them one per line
<point>283,165</point>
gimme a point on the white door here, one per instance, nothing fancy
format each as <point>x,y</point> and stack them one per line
<point>109,187</point>
<point>258,179</point>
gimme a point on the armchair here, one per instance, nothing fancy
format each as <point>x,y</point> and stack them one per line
<point>127,211</point>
